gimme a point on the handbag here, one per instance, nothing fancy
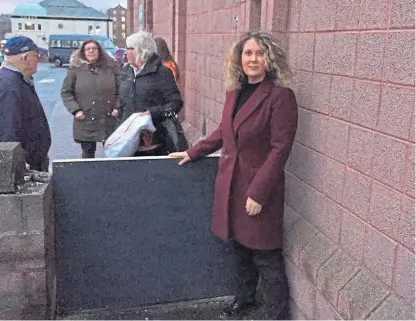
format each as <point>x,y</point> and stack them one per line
<point>175,136</point>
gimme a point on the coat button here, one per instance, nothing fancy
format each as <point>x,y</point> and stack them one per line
<point>93,102</point>
<point>93,118</point>
<point>108,101</point>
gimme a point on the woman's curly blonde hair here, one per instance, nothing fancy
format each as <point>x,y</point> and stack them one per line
<point>277,68</point>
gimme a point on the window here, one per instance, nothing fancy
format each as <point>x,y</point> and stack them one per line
<point>123,27</point>
<point>19,26</point>
<point>66,44</point>
<point>89,29</point>
<point>140,17</point>
<point>123,19</point>
<point>76,44</point>
<point>29,26</point>
<point>55,43</point>
<point>97,29</point>
<point>123,34</point>
<point>114,19</point>
<point>114,11</point>
<point>39,26</point>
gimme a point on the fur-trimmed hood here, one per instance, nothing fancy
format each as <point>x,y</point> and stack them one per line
<point>77,61</point>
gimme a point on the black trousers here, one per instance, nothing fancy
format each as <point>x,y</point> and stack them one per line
<point>269,266</point>
<point>88,149</point>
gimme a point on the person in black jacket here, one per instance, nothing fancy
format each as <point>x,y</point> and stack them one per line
<point>149,87</point>
<point>22,118</point>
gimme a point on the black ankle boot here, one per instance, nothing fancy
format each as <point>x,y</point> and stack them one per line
<point>237,309</point>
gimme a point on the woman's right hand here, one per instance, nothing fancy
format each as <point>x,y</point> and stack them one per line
<point>80,115</point>
<point>184,155</point>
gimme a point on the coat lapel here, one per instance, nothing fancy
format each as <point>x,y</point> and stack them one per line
<point>252,104</point>
<point>228,117</point>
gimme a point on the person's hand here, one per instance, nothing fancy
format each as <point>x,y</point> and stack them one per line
<point>145,113</point>
<point>114,113</point>
<point>252,207</point>
<point>80,115</point>
<point>184,155</point>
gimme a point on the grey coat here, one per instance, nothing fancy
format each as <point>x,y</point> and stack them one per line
<point>94,89</point>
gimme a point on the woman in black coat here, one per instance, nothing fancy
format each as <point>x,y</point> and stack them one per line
<point>149,87</point>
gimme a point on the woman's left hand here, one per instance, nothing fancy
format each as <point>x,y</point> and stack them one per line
<point>252,207</point>
<point>114,113</point>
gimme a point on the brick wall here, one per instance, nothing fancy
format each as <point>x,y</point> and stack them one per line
<point>349,221</point>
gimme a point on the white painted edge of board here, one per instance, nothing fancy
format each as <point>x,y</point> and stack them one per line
<point>72,160</point>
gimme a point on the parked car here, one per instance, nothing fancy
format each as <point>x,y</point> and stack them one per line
<point>61,47</point>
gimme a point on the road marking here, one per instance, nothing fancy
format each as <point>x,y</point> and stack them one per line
<point>46,81</point>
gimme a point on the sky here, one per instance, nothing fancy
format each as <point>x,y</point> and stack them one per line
<point>7,6</point>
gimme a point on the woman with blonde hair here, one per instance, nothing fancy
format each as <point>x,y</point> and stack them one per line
<point>256,134</point>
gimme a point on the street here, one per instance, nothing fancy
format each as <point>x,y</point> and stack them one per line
<point>48,82</point>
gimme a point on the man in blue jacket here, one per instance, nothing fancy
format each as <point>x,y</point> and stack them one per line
<point>22,118</point>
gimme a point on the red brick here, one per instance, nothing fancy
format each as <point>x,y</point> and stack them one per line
<point>406,227</point>
<point>321,93</point>
<point>308,13</point>
<point>342,90</point>
<point>348,14</point>
<point>312,129</point>
<point>401,16</point>
<point>334,180</point>
<point>385,210</point>
<point>344,53</point>
<point>393,120</point>
<point>410,188</point>
<point>360,149</point>
<point>324,50</point>
<point>303,88</point>
<point>294,13</point>
<point>405,274</point>
<point>370,50</point>
<point>365,105</point>
<point>379,255</point>
<point>352,235</point>
<point>356,193</point>
<point>337,140</point>
<point>304,55</point>
<point>390,161</point>
<point>374,14</point>
<point>308,165</point>
<point>329,219</point>
<point>325,15</point>
<point>400,54</point>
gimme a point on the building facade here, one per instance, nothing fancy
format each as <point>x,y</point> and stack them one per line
<point>38,21</point>
<point>136,19</point>
<point>119,16</point>
<point>350,199</point>
<point>5,25</point>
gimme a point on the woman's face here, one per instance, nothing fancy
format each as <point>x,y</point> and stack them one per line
<point>253,61</point>
<point>132,59</point>
<point>91,52</point>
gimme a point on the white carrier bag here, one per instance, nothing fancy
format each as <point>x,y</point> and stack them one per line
<point>125,139</point>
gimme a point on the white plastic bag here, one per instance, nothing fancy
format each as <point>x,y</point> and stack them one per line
<point>125,139</point>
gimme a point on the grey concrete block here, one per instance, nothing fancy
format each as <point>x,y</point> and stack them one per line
<point>342,91</point>
<point>370,50</point>
<point>18,247</point>
<point>404,282</point>
<point>300,235</point>
<point>360,149</point>
<point>313,255</point>
<point>356,196</point>
<point>352,235</point>
<point>334,180</point>
<point>360,296</point>
<point>393,308</point>
<point>11,290</point>
<point>33,211</point>
<point>344,54</point>
<point>336,272</point>
<point>10,213</point>
<point>12,166</point>
<point>365,105</point>
<point>337,140</point>
<point>324,51</point>
<point>379,255</point>
<point>324,310</point>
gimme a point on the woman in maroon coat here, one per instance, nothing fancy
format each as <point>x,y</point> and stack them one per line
<point>256,134</point>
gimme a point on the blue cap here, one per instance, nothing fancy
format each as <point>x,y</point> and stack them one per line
<point>18,45</point>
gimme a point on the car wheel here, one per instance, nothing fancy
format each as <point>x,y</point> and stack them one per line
<point>57,62</point>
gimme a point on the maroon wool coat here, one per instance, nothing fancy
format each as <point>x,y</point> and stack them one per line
<point>255,147</point>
